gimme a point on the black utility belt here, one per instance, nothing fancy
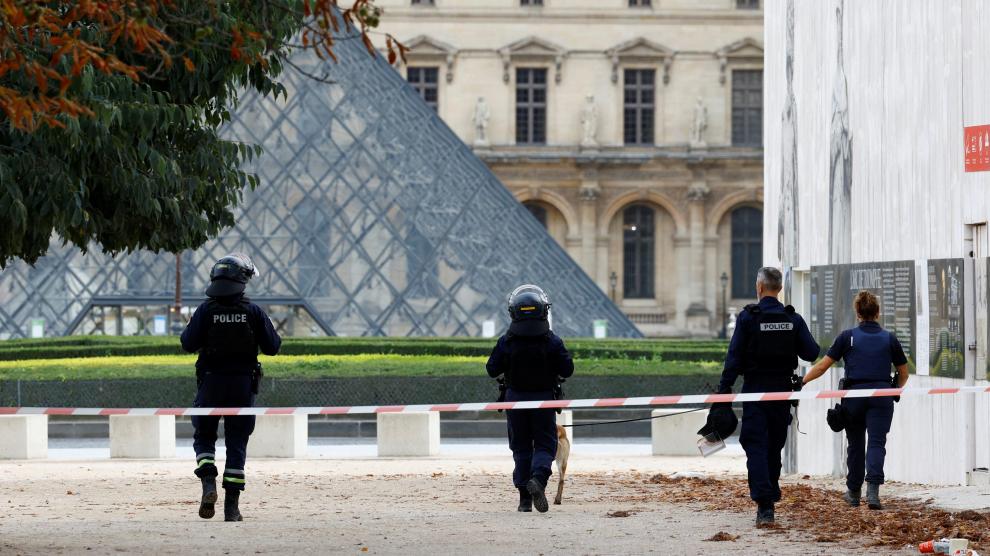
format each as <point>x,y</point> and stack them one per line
<point>847,383</point>
<point>531,390</point>
<point>227,373</point>
<point>782,376</point>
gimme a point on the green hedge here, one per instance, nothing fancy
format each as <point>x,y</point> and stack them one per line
<point>103,346</point>
<point>373,390</point>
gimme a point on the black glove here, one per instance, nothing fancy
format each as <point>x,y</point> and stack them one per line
<point>501,390</point>
<point>894,384</point>
<point>796,385</point>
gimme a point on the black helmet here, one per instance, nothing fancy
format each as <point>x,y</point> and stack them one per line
<point>230,275</point>
<point>721,422</point>
<point>529,308</point>
<point>837,418</point>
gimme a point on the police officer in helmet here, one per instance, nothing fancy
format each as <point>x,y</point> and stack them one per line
<point>533,360</point>
<point>764,349</point>
<point>227,330</point>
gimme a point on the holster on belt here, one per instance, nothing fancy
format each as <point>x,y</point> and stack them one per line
<point>256,376</point>
<point>501,390</point>
<point>558,391</point>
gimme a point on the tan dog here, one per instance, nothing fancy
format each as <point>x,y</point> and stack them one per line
<point>563,453</point>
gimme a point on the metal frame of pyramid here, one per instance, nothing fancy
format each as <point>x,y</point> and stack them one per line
<point>371,215</point>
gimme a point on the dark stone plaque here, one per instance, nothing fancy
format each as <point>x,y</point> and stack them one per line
<point>834,287</point>
<point>946,297</point>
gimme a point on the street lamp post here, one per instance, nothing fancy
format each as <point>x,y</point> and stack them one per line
<point>613,279</point>
<point>176,311</point>
<point>724,279</point>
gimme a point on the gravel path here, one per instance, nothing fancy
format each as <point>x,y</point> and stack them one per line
<point>375,506</point>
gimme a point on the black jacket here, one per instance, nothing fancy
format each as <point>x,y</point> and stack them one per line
<point>230,357</point>
<point>530,363</point>
<point>740,361</point>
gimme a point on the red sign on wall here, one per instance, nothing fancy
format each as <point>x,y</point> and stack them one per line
<point>977,142</point>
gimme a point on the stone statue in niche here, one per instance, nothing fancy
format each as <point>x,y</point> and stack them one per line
<point>589,123</point>
<point>480,120</point>
<point>700,125</point>
<point>698,191</point>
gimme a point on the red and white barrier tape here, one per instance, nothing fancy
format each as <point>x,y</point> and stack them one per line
<point>550,404</point>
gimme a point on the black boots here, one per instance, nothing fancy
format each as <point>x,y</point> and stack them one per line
<point>207,504</point>
<point>852,497</point>
<point>873,496</point>
<point>764,513</point>
<point>535,489</point>
<point>230,511</point>
<point>525,501</point>
<point>206,509</point>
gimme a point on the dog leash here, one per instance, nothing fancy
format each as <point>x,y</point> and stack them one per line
<point>707,385</point>
<point>633,420</point>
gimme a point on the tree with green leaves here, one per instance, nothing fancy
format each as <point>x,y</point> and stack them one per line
<point>110,111</point>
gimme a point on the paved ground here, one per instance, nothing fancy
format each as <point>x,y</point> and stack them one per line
<point>461,502</point>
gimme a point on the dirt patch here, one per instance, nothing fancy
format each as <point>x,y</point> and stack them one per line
<point>822,513</point>
<point>371,506</point>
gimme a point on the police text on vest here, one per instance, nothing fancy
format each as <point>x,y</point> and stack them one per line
<point>229,319</point>
<point>776,326</point>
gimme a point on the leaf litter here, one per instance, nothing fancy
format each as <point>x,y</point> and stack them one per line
<point>823,513</point>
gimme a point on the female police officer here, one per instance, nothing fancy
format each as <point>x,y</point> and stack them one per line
<point>868,352</point>
<point>227,330</point>
<point>532,358</point>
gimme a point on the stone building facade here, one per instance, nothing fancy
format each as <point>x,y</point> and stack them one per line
<point>631,128</point>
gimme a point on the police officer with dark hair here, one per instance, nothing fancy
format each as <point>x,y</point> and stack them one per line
<point>765,347</point>
<point>533,360</point>
<point>868,352</point>
<point>227,330</point>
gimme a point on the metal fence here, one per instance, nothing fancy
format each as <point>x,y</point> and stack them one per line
<point>372,390</point>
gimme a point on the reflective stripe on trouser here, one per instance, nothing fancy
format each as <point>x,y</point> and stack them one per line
<point>206,466</point>
<point>233,478</point>
<point>224,391</point>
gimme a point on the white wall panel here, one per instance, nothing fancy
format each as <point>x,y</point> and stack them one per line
<point>911,67</point>
<point>916,73</point>
<point>975,90</point>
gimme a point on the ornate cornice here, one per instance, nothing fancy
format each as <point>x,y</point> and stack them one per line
<point>426,48</point>
<point>742,51</point>
<point>533,49</point>
<point>640,50</point>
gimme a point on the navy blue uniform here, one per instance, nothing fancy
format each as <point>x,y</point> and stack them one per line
<point>867,351</point>
<point>765,348</point>
<point>531,365</point>
<point>227,333</point>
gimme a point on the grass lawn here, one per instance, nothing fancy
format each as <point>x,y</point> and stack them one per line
<point>324,366</point>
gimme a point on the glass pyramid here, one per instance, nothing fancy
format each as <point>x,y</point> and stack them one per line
<point>372,216</point>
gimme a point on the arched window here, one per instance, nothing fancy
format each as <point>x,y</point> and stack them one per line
<point>638,252</point>
<point>538,212</point>
<point>747,249</point>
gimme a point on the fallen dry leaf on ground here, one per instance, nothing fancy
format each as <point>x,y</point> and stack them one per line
<point>822,512</point>
<point>722,536</point>
<point>620,513</point>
